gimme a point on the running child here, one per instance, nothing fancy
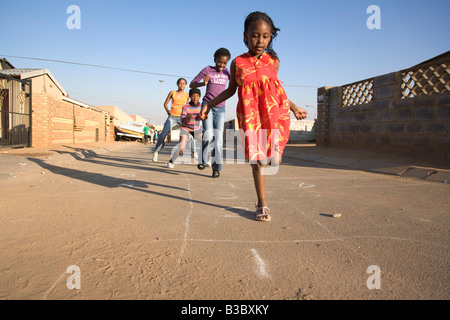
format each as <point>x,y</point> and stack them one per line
<point>179,99</point>
<point>263,106</point>
<point>190,124</point>
<point>215,78</point>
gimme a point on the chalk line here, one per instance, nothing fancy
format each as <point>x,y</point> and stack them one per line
<point>261,264</point>
<point>186,231</point>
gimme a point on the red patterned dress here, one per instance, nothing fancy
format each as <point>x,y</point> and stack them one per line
<point>263,109</point>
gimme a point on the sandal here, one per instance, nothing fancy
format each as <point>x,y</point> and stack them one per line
<point>262,214</point>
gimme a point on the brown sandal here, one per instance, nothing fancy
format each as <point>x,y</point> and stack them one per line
<point>262,214</point>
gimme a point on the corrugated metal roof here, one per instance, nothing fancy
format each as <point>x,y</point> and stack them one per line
<point>24,73</point>
<point>18,72</point>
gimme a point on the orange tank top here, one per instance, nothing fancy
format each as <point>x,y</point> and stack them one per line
<point>177,103</point>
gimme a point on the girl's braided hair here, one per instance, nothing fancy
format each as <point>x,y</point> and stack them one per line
<point>255,16</point>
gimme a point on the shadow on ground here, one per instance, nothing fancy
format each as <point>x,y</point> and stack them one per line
<point>131,163</point>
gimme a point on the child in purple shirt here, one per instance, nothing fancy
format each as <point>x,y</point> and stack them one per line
<point>215,79</point>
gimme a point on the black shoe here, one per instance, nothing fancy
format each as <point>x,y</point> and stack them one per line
<point>200,167</point>
<point>215,173</point>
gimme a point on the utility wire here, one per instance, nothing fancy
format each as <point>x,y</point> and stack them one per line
<point>126,70</point>
<point>96,66</point>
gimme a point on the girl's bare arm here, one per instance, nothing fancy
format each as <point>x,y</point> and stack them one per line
<point>166,103</point>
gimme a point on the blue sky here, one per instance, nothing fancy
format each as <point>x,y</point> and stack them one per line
<point>321,43</point>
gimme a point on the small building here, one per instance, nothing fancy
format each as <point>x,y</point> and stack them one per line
<point>118,116</point>
<point>137,118</point>
<point>51,116</point>
<point>15,108</point>
<point>5,64</point>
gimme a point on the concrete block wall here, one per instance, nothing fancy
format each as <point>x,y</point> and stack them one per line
<point>302,131</point>
<point>419,124</point>
<point>323,116</point>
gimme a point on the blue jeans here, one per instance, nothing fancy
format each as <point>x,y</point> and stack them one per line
<point>168,125</point>
<point>213,128</point>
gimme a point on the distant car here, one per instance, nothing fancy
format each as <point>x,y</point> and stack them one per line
<point>131,130</point>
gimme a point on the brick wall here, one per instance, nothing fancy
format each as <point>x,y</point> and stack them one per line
<point>57,122</point>
<point>40,120</point>
<point>387,118</point>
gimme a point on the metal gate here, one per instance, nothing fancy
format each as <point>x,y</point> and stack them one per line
<point>15,112</point>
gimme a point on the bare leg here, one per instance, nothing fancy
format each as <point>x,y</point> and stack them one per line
<point>183,141</point>
<point>260,184</point>
<point>262,211</point>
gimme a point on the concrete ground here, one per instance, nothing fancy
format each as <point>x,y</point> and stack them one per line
<point>110,224</point>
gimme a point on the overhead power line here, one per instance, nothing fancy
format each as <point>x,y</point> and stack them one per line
<point>299,86</point>
<point>96,66</point>
<point>124,69</point>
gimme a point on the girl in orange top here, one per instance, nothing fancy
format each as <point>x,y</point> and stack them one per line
<point>263,109</point>
<point>179,99</point>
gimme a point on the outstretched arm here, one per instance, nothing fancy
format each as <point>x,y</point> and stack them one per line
<point>299,113</point>
<point>226,94</point>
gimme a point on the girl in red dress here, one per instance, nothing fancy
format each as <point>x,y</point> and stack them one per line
<point>263,110</point>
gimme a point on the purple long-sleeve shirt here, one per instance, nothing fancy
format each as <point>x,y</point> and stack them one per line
<point>217,83</point>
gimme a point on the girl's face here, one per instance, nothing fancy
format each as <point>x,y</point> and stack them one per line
<point>181,85</point>
<point>258,37</point>
<point>221,63</point>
